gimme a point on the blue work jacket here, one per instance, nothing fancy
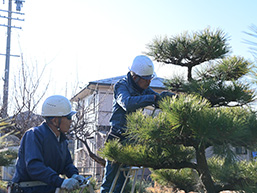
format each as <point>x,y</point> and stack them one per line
<point>42,157</point>
<point>128,97</point>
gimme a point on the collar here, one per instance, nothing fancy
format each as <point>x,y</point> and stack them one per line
<point>132,82</point>
<point>61,137</point>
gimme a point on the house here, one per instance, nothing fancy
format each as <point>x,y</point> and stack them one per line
<point>97,96</point>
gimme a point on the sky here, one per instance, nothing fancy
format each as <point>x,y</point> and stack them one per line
<point>79,41</point>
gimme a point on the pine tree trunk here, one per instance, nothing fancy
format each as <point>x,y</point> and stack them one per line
<point>204,170</point>
<point>189,73</point>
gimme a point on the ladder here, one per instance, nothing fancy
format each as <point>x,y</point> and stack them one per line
<point>128,172</point>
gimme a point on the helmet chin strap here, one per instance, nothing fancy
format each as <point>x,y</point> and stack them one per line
<point>58,126</point>
<point>135,77</point>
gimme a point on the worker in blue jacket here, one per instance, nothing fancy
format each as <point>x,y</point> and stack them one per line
<point>44,155</point>
<point>130,94</point>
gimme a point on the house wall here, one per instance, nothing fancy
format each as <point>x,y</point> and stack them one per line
<point>240,153</point>
<point>105,107</point>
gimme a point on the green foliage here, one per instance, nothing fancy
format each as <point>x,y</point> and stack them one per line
<point>230,68</point>
<point>221,93</point>
<point>240,175</point>
<point>221,83</point>
<point>139,155</point>
<point>6,157</point>
<point>4,125</point>
<point>189,49</point>
<point>183,123</point>
<point>3,185</point>
<point>183,179</point>
<point>189,120</point>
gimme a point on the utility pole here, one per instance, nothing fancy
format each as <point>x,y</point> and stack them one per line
<point>7,61</point>
<point>8,51</point>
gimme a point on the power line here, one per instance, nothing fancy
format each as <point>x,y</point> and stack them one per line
<point>9,26</point>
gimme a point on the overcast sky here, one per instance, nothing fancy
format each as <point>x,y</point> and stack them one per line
<point>85,40</point>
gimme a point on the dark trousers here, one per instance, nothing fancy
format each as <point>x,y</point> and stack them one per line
<point>109,175</point>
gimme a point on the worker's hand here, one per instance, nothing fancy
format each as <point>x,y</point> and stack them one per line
<point>165,94</point>
<point>80,178</point>
<point>160,97</point>
<point>70,184</point>
<point>157,100</point>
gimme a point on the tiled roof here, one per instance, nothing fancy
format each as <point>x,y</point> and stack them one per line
<point>157,82</point>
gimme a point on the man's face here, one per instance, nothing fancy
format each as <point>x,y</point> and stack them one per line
<point>65,124</point>
<point>143,83</point>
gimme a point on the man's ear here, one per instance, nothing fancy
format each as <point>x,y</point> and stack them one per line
<point>136,78</point>
<point>55,120</point>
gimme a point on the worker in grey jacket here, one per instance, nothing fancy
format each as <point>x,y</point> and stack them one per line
<point>130,94</point>
<point>44,155</point>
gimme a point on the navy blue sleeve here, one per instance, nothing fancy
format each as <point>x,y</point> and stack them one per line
<point>130,103</point>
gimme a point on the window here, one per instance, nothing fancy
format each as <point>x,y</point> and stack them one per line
<point>241,150</point>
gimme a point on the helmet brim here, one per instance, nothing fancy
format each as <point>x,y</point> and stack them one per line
<point>150,77</point>
<point>72,113</point>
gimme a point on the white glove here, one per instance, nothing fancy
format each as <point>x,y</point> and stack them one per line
<point>80,178</point>
<point>70,184</point>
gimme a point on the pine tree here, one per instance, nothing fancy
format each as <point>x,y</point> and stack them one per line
<point>212,110</point>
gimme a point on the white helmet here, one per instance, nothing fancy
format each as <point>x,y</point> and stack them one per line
<point>143,66</point>
<point>57,106</point>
